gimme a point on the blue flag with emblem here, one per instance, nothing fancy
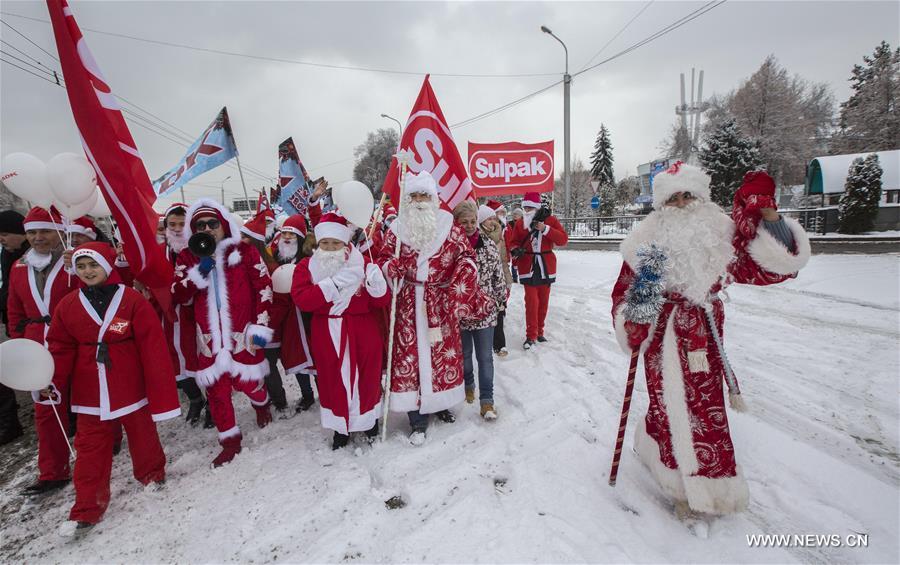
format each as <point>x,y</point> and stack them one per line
<point>215,147</point>
<point>293,180</point>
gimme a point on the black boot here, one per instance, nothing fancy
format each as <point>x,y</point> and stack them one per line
<point>207,418</point>
<point>40,487</point>
<point>542,339</point>
<point>339,440</point>
<point>372,433</point>
<point>195,410</point>
<point>305,403</point>
<point>446,416</point>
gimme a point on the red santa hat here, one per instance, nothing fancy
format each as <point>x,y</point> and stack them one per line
<point>101,252</point>
<point>421,183</point>
<point>680,178</point>
<point>531,200</point>
<point>40,219</point>
<point>179,208</point>
<point>296,225</point>
<point>485,212</point>
<point>334,226</point>
<point>495,205</point>
<point>205,208</point>
<point>84,226</point>
<point>255,228</point>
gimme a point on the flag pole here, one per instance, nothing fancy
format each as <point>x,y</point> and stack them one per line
<point>241,172</point>
<point>182,194</point>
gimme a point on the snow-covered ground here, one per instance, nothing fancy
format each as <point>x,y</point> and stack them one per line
<point>818,363</point>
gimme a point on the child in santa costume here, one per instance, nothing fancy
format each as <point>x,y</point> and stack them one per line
<point>231,294</point>
<point>344,292</point>
<point>531,243</point>
<point>106,344</point>
<point>37,284</point>
<point>684,439</point>
<point>292,245</point>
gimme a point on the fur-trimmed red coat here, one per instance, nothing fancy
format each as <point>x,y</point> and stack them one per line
<point>181,333</point>
<point>441,290</point>
<point>136,374</point>
<point>538,247</point>
<point>226,325</point>
<point>684,439</point>
<point>26,307</point>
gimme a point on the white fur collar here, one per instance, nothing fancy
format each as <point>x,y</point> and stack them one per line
<point>444,223</point>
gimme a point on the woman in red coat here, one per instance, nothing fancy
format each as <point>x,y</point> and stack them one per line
<point>344,294</point>
<point>109,351</point>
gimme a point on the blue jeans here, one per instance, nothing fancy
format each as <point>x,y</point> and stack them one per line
<point>483,342</point>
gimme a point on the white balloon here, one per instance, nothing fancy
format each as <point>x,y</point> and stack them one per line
<point>283,277</point>
<point>72,178</point>
<point>101,209</point>
<point>25,365</point>
<point>26,176</point>
<point>78,210</point>
<point>355,201</point>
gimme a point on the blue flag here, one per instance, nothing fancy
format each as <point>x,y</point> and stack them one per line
<point>215,147</point>
<point>293,180</point>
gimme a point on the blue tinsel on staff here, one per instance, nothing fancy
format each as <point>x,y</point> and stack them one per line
<point>644,299</point>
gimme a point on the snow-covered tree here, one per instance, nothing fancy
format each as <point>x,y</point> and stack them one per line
<point>677,144</point>
<point>373,158</point>
<point>859,204</point>
<point>726,156</point>
<point>602,158</point>
<point>870,118</point>
<point>627,190</point>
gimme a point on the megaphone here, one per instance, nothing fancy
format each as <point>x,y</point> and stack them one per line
<point>202,244</point>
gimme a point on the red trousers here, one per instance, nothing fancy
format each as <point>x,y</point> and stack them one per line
<point>537,299</point>
<point>53,449</point>
<point>93,464</point>
<point>222,410</point>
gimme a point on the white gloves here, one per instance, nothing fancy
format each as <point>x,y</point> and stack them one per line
<point>345,278</point>
<point>375,283</point>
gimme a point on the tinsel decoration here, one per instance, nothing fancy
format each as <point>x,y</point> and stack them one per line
<point>644,299</point>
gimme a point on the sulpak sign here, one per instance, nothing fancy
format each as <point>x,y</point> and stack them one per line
<point>511,168</point>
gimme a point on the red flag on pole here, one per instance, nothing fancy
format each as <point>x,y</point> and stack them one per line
<point>428,137</point>
<point>109,146</point>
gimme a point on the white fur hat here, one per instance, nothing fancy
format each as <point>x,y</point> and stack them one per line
<point>485,212</point>
<point>680,178</point>
<point>421,183</point>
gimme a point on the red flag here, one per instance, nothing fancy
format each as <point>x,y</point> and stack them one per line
<point>428,137</point>
<point>262,206</point>
<point>109,146</point>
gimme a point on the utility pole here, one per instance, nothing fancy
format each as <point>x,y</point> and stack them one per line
<point>567,82</point>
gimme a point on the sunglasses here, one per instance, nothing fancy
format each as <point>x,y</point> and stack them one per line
<point>200,225</point>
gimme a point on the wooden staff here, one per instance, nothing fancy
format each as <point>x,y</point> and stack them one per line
<point>623,419</point>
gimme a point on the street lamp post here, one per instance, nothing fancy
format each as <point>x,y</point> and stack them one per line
<point>567,81</point>
<point>222,187</point>
<point>399,125</point>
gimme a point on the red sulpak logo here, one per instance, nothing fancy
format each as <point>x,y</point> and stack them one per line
<point>511,168</point>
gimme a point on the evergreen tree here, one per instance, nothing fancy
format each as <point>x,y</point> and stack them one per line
<point>602,158</point>
<point>726,156</point>
<point>859,204</point>
<point>373,158</point>
<point>870,118</point>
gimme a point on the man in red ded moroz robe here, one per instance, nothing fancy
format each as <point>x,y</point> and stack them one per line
<point>231,294</point>
<point>684,439</point>
<point>438,286</point>
<point>37,283</point>
<point>109,351</point>
<point>344,292</point>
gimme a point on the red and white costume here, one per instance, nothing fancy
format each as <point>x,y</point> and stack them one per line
<point>684,439</point>
<point>232,305</point>
<point>438,287</point>
<point>29,313</point>
<point>115,375</point>
<point>346,335</point>
<point>287,319</point>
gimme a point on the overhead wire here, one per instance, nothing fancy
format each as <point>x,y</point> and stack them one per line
<point>613,38</point>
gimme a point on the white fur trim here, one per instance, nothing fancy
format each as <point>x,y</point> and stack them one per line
<point>723,495</point>
<point>231,432</point>
<point>332,230</point>
<point>420,183</point>
<point>233,226</point>
<point>675,403</point>
<point>43,226</point>
<point>79,229</point>
<point>166,415</point>
<point>193,274</point>
<point>647,450</point>
<point>261,403</point>
<point>253,373</point>
<point>98,257</point>
<point>254,330</point>
<point>771,255</point>
<point>697,361</point>
<point>234,258</point>
<point>687,179</point>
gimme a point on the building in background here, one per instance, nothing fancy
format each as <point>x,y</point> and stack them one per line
<point>827,177</point>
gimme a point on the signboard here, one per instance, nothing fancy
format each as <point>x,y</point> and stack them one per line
<point>511,168</point>
<point>595,202</point>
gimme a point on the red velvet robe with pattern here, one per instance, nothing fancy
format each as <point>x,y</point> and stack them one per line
<point>427,370</point>
<point>684,439</point>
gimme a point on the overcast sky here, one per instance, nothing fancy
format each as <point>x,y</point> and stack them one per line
<point>329,111</point>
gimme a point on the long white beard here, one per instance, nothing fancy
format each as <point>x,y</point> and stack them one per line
<point>420,223</point>
<point>176,240</point>
<point>160,238</point>
<point>287,250</point>
<point>38,260</point>
<point>698,241</point>
<point>330,262</point>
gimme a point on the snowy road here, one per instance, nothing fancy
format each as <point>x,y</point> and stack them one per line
<point>818,364</point>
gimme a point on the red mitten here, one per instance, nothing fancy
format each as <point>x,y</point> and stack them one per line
<point>637,333</point>
<point>757,192</point>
